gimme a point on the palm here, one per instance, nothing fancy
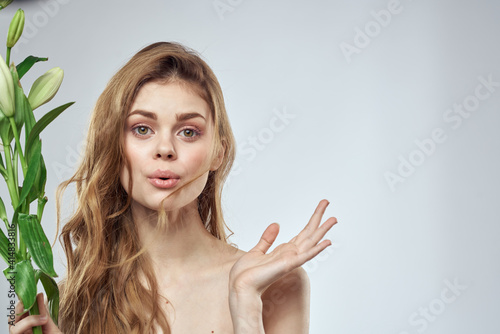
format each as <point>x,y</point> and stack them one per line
<point>256,270</point>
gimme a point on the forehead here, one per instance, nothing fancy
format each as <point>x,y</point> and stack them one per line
<point>169,99</point>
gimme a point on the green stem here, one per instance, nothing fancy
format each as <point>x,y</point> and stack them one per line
<point>13,188</point>
<point>18,145</point>
<point>15,167</point>
<point>7,60</point>
<point>41,205</point>
<point>7,225</point>
<point>11,185</point>
<point>22,245</point>
<point>35,311</point>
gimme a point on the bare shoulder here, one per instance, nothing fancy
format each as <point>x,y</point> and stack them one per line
<point>286,304</point>
<point>232,252</point>
<point>294,284</point>
<point>228,255</point>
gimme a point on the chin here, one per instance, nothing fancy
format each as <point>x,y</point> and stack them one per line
<point>170,204</point>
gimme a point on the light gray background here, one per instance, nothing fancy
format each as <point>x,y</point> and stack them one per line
<point>352,119</point>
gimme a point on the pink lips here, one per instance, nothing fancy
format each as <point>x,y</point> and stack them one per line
<point>164,179</point>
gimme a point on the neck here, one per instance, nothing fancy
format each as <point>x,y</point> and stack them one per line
<point>184,246</point>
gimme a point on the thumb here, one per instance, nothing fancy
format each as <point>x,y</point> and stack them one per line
<point>267,238</point>
<point>49,326</point>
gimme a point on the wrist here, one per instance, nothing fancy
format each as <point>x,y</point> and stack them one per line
<point>246,312</point>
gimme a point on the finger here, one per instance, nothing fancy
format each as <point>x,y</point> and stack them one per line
<point>267,239</point>
<point>19,310</point>
<point>27,324</point>
<point>13,318</point>
<point>314,222</point>
<point>317,235</point>
<point>311,253</point>
<point>42,306</point>
<point>318,213</point>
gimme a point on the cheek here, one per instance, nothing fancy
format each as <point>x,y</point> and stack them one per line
<point>124,177</point>
<point>198,160</point>
<point>125,172</point>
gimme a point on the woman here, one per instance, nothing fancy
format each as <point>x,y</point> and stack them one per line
<point>147,248</point>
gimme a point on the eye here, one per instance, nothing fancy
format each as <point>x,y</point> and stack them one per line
<point>190,133</point>
<point>141,130</point>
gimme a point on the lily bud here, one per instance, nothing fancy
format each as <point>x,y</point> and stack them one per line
<point>7,102</point>
<point>45,87</point>
<point>16,28</point>
<point>5,3</point>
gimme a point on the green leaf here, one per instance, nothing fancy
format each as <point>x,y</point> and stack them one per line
<point>1,163</point>
<point>37,243</point>
<point>52,291</point>
<point>23,106</point>
<point>33,167</point>
<point>4,129</point>
<point>27,63</point>
<point>4,247</point>
<point>38,189</point>
<point>14,224</point>
<point>43,178</point>
<point>23,278</point>
<point>29,117</point>
<point>42,123</point>
<point>3,212</point>
<point>3,216</point>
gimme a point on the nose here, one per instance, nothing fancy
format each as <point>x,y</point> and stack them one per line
<point>165,149</point>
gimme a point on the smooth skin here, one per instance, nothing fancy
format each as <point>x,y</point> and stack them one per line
<point>208,285</point>
<point>250,275</point>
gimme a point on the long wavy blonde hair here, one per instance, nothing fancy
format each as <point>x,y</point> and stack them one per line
<point>102,292</point>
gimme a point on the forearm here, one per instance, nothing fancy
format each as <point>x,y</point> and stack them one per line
<point>246,313</point>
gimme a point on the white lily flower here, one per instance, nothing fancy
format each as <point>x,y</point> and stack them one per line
<point>16,28</point>
<point>7,101</point>
<point>45,87</point>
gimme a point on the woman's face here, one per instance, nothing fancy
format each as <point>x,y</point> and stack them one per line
<point>168,138</point>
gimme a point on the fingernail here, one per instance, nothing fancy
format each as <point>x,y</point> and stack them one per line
<point>43,317</point>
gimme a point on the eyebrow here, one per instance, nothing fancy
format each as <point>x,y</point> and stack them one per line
<point>188,115</point>
<point>178,117</point>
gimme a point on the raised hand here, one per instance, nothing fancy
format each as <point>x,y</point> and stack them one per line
<point>256,270</point>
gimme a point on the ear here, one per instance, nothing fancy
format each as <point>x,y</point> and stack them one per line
<point>218,160</point>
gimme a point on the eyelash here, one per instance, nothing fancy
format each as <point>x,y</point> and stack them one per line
<point>197,132</point>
